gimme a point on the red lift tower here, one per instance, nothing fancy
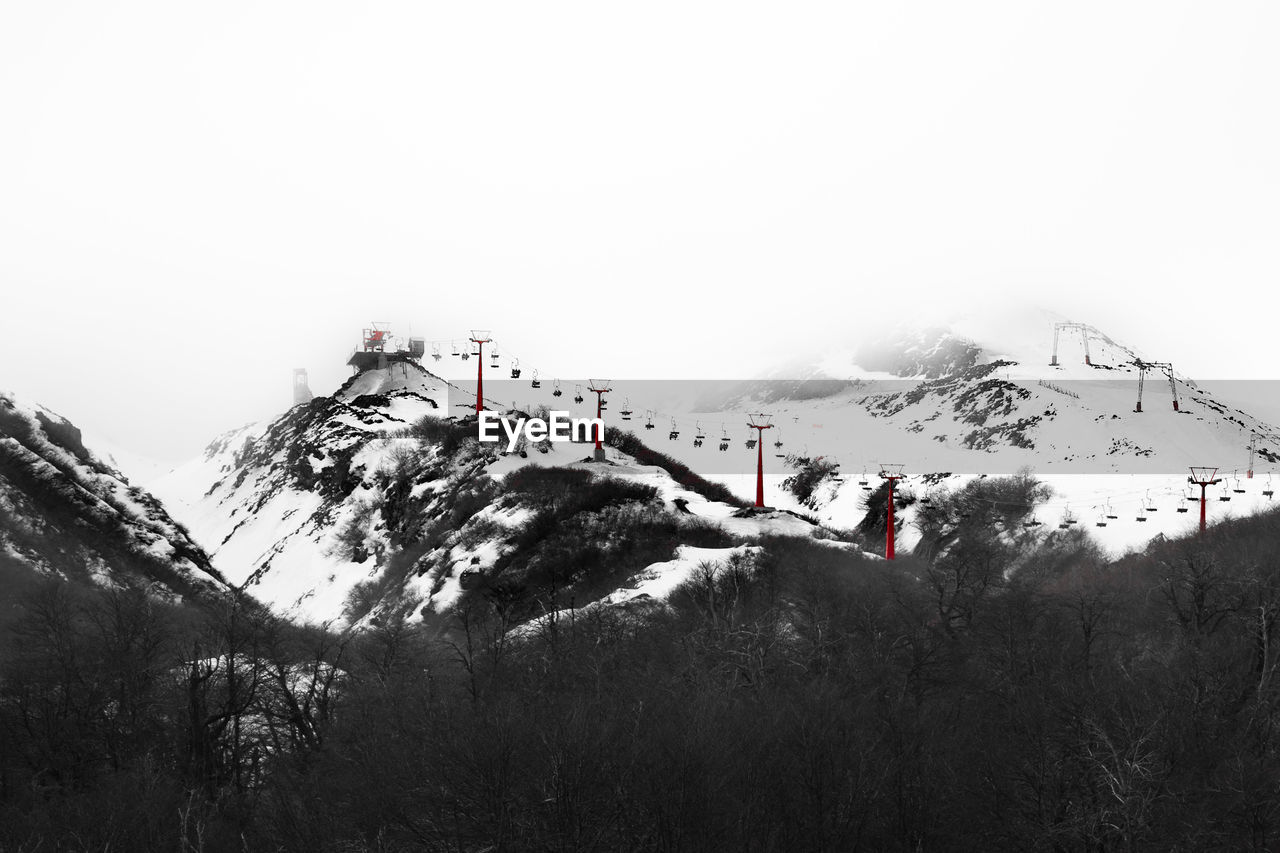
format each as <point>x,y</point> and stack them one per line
<point>480,337</point>
<point>760,423</point>
<point>892,474</point>
<point>1204,478</point>
<point>599,387</point>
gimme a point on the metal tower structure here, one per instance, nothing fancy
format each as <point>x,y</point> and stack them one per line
<point>1086,331</point>
<point>892,474</point>
<point>480,337</point>
<point>1059,328</point>
<point>301,390</point>
<point>759,422</point>
<point>376,337</point>
<point>1204,478</point>
<point>1166,368</point>
<point>599,387</point>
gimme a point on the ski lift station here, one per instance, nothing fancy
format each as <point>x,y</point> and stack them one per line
<point>378,349</point>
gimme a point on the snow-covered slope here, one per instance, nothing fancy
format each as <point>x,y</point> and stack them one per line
<point>354,505</point>
<point>375,500</point>
<point>66,512</point>
<point>264,498</point>
<point>946,404</point>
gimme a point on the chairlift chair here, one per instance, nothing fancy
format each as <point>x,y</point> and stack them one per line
<point>648,419</point>
<point>577,394</point>
<point>557,392</point>
<point>1268,491</point>
<point>515,369</point>
<point>435,352</point>
<point>675,432</point>
<point>536,383</point>
<point>1237,489</point>
<point>456,351</point>
<point>1147,503</point>
<point>626,409</point>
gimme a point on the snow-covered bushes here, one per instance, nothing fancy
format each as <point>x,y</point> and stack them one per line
<point>810,473</point>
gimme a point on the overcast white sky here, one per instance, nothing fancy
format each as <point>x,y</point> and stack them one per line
<point>195,198</point>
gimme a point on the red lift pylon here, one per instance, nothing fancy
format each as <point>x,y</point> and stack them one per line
<point>759,422</point>
<point>1204,478</point>
<point>891,473</point>
<point>480,337</point>
<point>599,387</point>
<point>1143,367</point>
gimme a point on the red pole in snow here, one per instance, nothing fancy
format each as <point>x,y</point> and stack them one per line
<point>759,423</point>
<point>480,374</point>
<point>1203,501</point>
<point>760,468</point>
<point>599,416</point>
<point>600,388</point>
<point>1203,477</point>
<point>888,542</point>
<point>892,473</point>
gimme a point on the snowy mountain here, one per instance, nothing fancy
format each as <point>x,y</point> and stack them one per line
<point>66,512</point>
<point>264,497</point>
<point>950,407</point>
<point>376,500</point>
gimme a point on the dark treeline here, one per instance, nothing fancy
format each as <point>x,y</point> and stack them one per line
<point>799,698</point>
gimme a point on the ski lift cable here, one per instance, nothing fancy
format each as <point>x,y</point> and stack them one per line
<point>1049,505</point>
